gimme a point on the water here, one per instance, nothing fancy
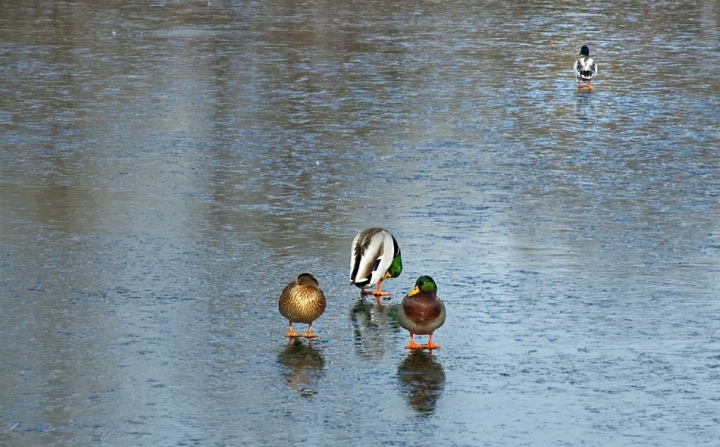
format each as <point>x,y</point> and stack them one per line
<point>166,168</point>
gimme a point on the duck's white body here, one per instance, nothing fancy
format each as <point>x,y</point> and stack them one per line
<point>585,69</point>
<point>373,251</point>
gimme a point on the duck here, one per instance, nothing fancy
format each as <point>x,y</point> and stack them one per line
<point>585,68</point>
<point>421,312</point>
<point>302,301</point>
<point>375,257</point>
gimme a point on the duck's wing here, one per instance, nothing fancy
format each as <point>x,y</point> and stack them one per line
<point>576,67</point>
<point>285,295</point>
<point>372,253</point>
<point>289,287</point>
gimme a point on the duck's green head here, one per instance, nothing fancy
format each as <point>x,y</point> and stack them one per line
<point>395,267</point>
<point>424,284</point>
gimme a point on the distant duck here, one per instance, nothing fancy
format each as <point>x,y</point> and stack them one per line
<point>421,312</point>
<point>585,68</point>
<point>375,257</point>
<point>302,301</point>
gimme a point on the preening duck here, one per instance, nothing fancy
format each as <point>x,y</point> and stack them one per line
<point>375,257</point>
<point>585,68</point>
<point>302,301</point>
<point>421,312</point>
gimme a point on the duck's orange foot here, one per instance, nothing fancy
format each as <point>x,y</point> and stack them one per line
<point>430,345</point>
<point>412,344</point>
<point>375,293</point>
<point>292,334</point>
<point>309,334</point>
<point>378,293</point>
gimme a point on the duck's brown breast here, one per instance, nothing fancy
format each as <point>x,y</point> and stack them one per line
<point>422,308</point>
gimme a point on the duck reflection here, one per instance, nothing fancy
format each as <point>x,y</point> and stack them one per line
<point>422,381</point>
<point>372,322</point>
<point>304,366</point>
<point>584,105</point>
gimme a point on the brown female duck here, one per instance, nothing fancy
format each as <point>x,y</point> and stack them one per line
<point>302,301</point>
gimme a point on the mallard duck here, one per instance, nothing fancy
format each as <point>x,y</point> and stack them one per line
<point>302,301</point>
<point>585,68</point>
<point>421,312</point>
<point>375,257</point>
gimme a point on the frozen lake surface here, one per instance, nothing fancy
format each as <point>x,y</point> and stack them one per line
<point>166,168</point>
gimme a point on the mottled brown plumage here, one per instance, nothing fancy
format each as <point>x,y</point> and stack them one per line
<point>302,301</point>
<point>421,312</point>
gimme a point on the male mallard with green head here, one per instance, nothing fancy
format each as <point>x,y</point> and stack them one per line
<point>585,68</point>
<point>421,312</point>
<point>375,257</point>
<point>302,301</point>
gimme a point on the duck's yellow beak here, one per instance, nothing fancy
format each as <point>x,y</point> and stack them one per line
<point>414,291</point>
<point>386,276</point>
